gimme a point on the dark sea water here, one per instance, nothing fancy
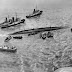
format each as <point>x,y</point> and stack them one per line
<point>29,57</point>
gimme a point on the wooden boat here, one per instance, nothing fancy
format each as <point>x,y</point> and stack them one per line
<point>18,37</point>
<point>8,49</point>
<point>34,14</point>
<point>8,38</point>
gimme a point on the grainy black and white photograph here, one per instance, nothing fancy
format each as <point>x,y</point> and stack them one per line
<point>35,35</point>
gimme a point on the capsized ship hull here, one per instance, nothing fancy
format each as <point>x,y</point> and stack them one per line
<point>37,30</point>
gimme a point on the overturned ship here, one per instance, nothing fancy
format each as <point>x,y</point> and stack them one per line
<point>37,30</point>
<point>34,14</point>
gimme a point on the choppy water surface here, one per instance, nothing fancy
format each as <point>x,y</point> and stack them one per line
<point>34,54</point>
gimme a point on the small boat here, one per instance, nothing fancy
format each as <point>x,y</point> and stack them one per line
<point>49,35</point>
<point>18,37</point>
<point>35,13</point>
<point>46,35</point>
<point>6,48</point>
<point>8,38</point>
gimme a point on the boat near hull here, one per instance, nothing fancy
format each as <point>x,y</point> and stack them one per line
<point>8,38</point>
<point>8,49</point>
<point>4,50</point>
<point>17,37</point>
<point>34,15</point>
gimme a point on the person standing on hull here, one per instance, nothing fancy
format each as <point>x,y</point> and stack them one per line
<point>6,19</point>
<point>34,11</point>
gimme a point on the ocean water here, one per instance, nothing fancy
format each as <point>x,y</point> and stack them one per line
<point>29,49</point>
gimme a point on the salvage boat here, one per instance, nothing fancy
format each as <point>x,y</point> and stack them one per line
<point>6,48</point>
<point>9,22</point>
<point>34,14</point>
<point>13,24</point>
